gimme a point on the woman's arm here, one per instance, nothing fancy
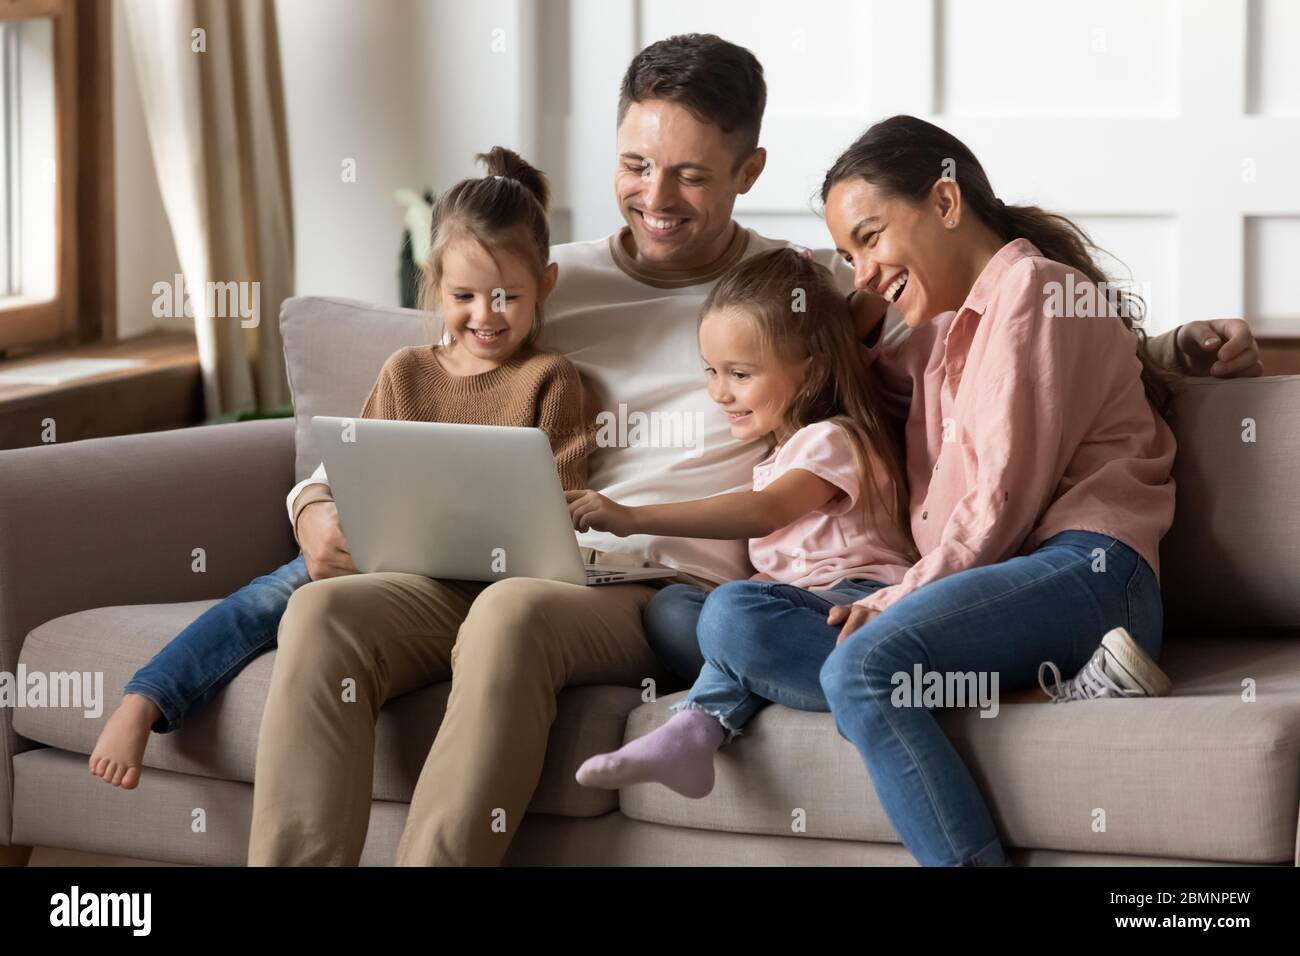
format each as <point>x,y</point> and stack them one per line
<point>739,514</point>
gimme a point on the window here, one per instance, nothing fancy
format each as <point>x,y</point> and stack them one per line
<point>56,174</point>
<point>27,162</point>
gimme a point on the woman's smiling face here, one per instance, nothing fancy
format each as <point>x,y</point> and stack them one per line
<point>910,253</point>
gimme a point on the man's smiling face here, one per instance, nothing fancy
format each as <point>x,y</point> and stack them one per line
<point>677,181</point>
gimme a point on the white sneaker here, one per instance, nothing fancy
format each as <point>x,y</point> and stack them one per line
<point>1119,668</point>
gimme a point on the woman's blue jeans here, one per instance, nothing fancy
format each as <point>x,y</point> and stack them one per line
<point>207,655</point>
<point>998,621</point>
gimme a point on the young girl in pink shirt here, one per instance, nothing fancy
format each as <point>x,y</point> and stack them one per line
<point>823,518</point>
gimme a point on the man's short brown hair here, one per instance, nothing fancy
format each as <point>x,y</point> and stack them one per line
<point>715,81</point>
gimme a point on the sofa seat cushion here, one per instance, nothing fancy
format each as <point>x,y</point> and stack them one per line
<point>221,741</point>
<point>1201,774</point>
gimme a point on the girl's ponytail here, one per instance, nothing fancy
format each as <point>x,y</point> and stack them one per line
<point>506,209</point>
<point>507,164</point>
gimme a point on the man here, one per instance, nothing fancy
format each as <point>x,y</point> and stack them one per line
<point>624,311</point>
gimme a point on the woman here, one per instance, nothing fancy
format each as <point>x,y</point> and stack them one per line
<point>1038,458</point>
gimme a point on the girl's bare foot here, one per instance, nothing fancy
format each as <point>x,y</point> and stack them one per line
<point>119,752</point>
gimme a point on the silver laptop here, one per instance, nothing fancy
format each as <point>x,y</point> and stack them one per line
<point>466,502</point>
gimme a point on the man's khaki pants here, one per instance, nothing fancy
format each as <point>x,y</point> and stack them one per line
<point>348,644</point>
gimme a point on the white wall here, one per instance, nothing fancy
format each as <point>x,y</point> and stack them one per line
<point>1168,128</point>
<point>354,76</point>
<point>411,91</point>
<point>380,83</point>
<point>1025,84</point>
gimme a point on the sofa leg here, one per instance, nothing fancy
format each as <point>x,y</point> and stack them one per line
<point>15,855</point>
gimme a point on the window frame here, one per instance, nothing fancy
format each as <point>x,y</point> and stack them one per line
<point>83,309</point>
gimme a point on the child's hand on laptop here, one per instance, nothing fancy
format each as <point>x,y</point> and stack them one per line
<point>592,511</point>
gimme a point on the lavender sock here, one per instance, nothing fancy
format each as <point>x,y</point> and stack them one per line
<point>679,755</point>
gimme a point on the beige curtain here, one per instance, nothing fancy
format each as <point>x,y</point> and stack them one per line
<point>214,109</point>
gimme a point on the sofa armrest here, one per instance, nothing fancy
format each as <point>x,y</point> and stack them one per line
<point>114,521</point>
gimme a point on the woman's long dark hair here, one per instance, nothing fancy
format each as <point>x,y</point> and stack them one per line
<point>905,156</point>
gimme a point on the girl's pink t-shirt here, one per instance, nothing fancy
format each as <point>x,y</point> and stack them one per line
<point>835,541</point>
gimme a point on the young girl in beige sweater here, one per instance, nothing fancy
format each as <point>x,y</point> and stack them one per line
<point>488,274</point>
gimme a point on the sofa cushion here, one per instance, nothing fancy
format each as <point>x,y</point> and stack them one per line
<point>221,741</point>
<point>56,803</point>
<point>1231,561</point>
<point>1202,774</point>
<point>333,351</point>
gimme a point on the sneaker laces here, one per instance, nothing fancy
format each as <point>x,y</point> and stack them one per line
<point>1090,683</point>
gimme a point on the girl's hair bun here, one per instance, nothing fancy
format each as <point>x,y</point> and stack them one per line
<point>506,163</point>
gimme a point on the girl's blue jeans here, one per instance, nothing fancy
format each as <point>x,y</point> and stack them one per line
<point>206,656</point>
<point>761,641</point>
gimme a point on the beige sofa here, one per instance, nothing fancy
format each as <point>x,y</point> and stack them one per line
<point>96,540</point>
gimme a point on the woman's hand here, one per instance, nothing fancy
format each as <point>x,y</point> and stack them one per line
<point>852,616</point>
<point>1223,348</point>
<point>592,511</point>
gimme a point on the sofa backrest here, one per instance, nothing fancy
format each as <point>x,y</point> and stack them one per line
<point>1231,560</point>
<point>333,351</point>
